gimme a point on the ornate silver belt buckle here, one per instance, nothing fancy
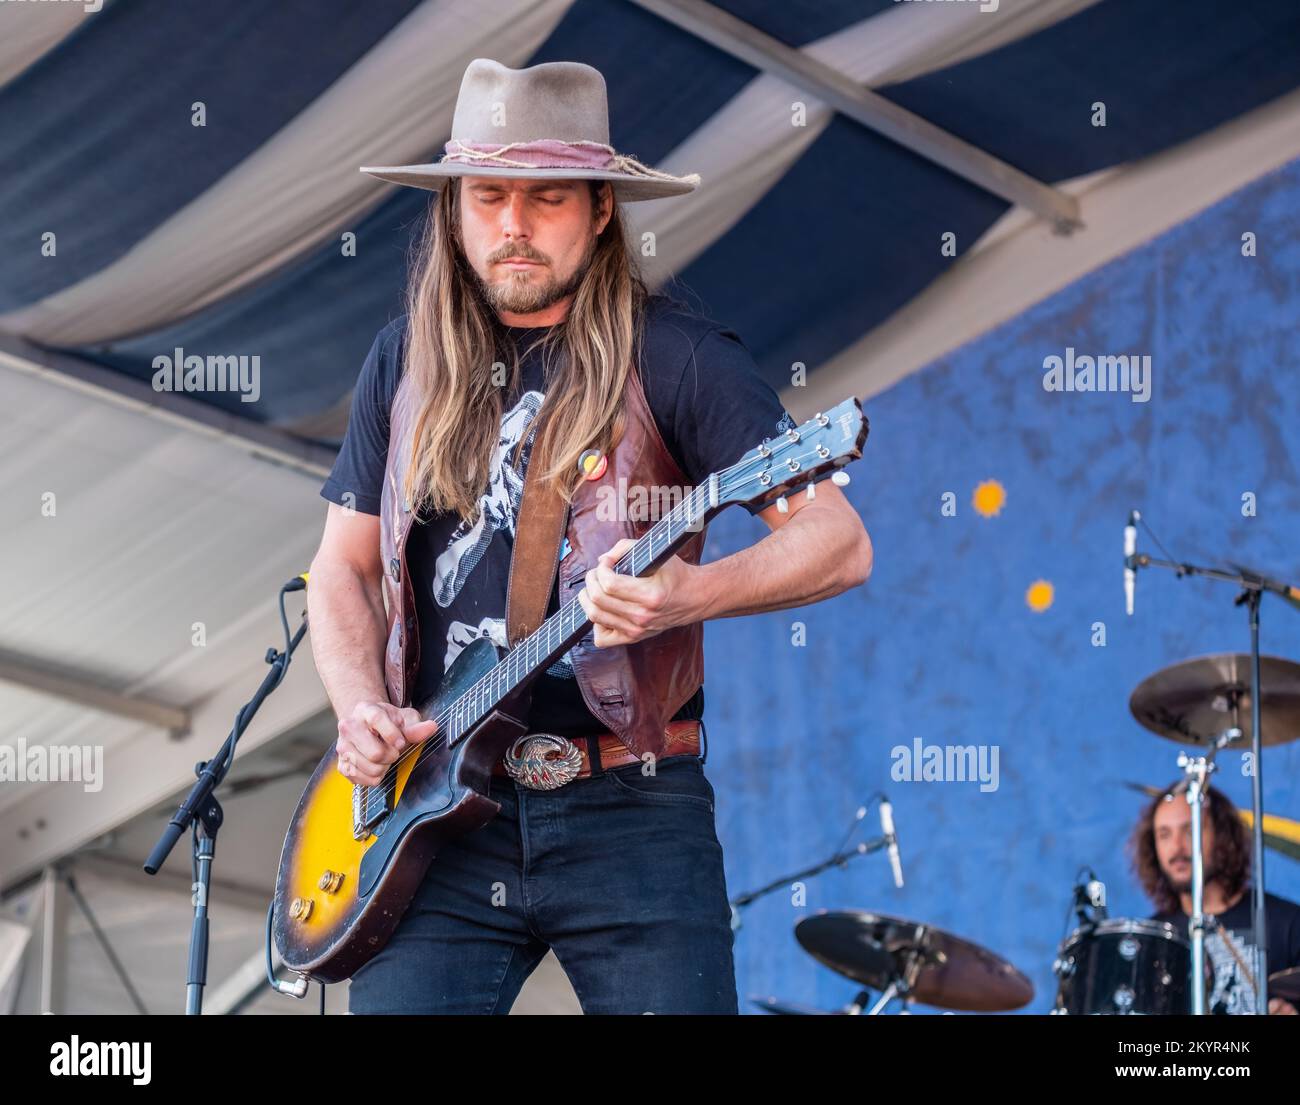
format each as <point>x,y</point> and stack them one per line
<point>543,761</point>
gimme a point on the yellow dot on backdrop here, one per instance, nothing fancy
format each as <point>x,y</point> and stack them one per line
<point>989,498</point>
<point>1039,596</point>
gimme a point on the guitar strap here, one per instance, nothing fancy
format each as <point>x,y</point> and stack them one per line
<point>539,532</point>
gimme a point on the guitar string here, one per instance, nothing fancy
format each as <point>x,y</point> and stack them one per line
<point>728,478</point>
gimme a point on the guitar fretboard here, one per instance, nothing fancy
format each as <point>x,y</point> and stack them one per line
<point>562,629</point>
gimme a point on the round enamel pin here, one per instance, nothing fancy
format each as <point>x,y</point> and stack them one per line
<point>592,464</point>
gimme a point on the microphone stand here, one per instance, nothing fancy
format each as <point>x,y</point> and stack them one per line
<point>1252,585</point>
<point>1197,770</point>
<point>202,813</point>
<point>838,859</point>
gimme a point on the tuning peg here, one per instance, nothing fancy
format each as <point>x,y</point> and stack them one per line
<point>782,505</point>
<point>812,492</point>
<point>840,479</point>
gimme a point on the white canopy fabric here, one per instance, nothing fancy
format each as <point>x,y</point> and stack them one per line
<point>302,187</point>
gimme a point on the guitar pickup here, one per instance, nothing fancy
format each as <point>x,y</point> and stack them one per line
<point>366,811</point>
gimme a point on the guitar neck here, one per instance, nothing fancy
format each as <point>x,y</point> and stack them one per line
<point>558,633</point>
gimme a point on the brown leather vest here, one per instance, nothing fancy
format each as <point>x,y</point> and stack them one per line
<point>632,689</point>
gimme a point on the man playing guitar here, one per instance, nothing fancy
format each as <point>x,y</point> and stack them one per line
<point>529,339</point>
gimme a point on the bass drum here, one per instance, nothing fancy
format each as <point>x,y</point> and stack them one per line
<point>1124,966</point>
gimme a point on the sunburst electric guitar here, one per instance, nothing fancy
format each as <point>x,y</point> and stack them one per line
<point>354,855</point>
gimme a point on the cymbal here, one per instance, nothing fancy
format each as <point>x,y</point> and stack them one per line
<point>874,949</point>
<point>1194,701</point>
<point>1285,984</point>
<point>792,1008</point>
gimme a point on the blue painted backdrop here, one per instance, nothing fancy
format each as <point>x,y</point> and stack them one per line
<point>941,644</point>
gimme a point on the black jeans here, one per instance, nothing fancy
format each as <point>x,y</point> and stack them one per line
<point>621,874</point>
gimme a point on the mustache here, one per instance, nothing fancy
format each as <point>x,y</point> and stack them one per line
<point>521,252</point>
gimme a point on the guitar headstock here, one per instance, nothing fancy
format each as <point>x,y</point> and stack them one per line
<point>785,463</point>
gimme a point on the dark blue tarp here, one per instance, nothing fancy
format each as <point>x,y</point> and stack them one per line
<point>96,141</point>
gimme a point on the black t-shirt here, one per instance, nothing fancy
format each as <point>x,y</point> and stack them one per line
<point>709,404</point>
<point>1232,992</point>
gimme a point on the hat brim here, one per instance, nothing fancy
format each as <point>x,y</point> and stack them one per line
<point>433,176</point>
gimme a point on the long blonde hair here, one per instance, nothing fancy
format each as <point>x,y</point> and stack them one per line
<point>454,337</point>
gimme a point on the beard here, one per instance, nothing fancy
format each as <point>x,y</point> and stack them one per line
<point>1184,885</point>
<point>521,293</point>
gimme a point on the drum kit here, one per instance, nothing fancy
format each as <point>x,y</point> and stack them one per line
<point>1122,966</point>
<point>1129,965</point>
<point>1231,701</point>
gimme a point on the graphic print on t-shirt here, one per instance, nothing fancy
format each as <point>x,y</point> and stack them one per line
<point>1232,954</point>
<point>498,506</point>
<point>498,510</point>
<point>1233,992</point>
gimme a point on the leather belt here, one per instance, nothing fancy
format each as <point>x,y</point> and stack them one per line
<point>544,761</point>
